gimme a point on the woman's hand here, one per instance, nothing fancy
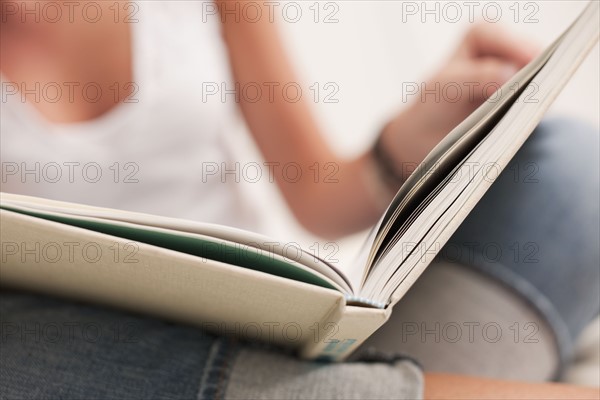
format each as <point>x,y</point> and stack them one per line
<point>354,198</point>
<point>486,59</point>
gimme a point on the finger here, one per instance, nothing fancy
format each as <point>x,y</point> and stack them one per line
<point>489,74</point>
<point>487,40</point>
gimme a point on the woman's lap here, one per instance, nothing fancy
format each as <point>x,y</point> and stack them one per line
<point>536,231</point>
<point>525,264</point>
<point>545,221</point>
<point>55,348</point>
<point>538,228</point>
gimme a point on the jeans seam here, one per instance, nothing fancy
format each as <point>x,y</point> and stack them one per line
<point>539,302</point>
<point>213,383</point>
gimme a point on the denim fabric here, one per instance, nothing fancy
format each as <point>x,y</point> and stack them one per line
<point>460,321</point>
<point>276,376</point>
<point>538,228</point>
<point>53,348</point>
<point>59,349</point>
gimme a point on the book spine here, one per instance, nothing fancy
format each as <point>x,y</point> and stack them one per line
<point>339,339</point>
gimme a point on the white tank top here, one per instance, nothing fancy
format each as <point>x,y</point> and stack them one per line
<point>157,155</point>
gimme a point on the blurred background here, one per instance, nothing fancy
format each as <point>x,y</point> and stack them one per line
<point>362,55</point>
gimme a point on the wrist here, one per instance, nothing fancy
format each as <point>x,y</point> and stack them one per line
<point>386,161</point>
<point>377,187</point>
<point>406,139</point>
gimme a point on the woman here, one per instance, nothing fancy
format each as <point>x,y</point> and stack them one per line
<point>134,94</point>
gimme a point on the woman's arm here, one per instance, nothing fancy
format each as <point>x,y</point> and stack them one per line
<point>287,132</point>
<point>448,387</point>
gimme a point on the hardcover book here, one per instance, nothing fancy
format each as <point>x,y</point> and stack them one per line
<point>228,280</point>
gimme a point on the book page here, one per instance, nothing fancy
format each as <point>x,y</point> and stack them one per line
<point>443,213</point>
<point>224,244</point>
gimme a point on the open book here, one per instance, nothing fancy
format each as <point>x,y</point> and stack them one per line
<point>231,281</point>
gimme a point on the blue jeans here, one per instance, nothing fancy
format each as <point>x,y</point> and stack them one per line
<point>535,232</point>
